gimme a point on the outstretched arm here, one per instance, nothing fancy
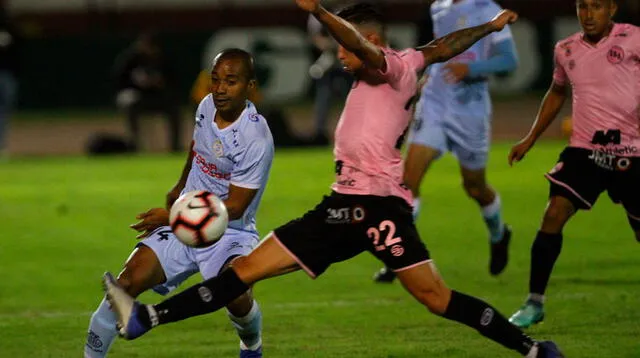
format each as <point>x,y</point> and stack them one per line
<point>347,35</point>
<point>449,46</point>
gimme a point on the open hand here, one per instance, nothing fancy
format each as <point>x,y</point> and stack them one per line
<point>504,18</point>
<point>519,150</point>
<point>149,221</point>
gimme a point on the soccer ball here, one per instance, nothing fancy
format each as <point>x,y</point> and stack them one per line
<point>198,218</point>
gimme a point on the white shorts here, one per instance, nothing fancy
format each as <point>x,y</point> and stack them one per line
<point>180,261</point>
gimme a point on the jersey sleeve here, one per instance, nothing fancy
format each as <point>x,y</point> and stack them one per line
<point>400,63</point>
<point>252,167</point>
<point>559,73</point>
<point>203,112</point>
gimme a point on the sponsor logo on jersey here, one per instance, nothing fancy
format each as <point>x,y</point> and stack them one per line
<point>218,148</point>
<point>210,169</point>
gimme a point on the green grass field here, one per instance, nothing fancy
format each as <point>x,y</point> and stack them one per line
<point>65,221</point>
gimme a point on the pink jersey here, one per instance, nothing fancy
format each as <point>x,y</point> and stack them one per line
<point>372,126</point>
<point>605,79</point>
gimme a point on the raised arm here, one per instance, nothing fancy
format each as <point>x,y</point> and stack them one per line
<point>453,44</point>
<point>346,34</point>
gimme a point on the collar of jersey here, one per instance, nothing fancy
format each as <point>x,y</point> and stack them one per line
<point>248,109</point>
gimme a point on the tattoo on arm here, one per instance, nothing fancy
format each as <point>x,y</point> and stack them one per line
<point>449,46</point>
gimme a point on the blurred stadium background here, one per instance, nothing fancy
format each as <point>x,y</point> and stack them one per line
<point>67,91</point>
<point>65,216</point>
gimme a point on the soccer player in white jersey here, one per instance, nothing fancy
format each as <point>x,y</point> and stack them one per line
<point>231,155</point>
<point>454,115</point>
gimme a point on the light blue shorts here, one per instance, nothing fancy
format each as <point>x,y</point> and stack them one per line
<point>180,262</point>
<point>467,139</point>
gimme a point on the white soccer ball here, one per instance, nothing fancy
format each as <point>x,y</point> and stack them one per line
<point>198,218</point>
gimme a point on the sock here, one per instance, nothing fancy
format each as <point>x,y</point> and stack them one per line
<point>489,322</point>
<point>544,253</point>
<point>205,297</point>
<point>102,332</point>
<point>492,215</point>
<point>249,327</point>
<point>416,208</point>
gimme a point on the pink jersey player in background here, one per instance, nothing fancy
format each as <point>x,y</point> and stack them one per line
<point>601,64</point>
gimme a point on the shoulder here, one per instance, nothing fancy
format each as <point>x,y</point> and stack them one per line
<point>255,130</point>
<point>439,5</point>
<point>626,30</point>
<point>206,105</point>
<point>565,45</point>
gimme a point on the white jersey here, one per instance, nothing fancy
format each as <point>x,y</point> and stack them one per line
<point>240,154</point>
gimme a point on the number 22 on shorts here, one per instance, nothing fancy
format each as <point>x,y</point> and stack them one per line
<point>374,233</point>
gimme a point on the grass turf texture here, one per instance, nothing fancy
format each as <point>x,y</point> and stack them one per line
<point>65,221</point>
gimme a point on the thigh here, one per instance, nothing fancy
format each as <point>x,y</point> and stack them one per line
<point>469,142</point>
<point>233,243</point>
<point>324,235</point>
<point>577,178</point>
<point>177,260</point>
<point>391,235</point>
<point>624,189</point>
<point>418,160</point>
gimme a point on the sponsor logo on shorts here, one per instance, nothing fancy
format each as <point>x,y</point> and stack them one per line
<point>234,245</point>
<point>397,250</point>
<point>94,342</point>
<point>205,294</point>
<point>606,160</point>
<point>487,316</point>
<point>345,215</point>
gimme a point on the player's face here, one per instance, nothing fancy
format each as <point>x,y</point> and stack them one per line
<point>595,15</point>
<point>229,85</point>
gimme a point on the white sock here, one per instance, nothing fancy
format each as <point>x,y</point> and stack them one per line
<point>416,208</point>
<point>493,218</point>
<point>102,332</point>
<point>249,327</point>
<point>533,353</point>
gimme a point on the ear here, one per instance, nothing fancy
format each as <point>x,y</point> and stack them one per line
<point>613,9</point>
<point>375,39</point>
<point>252,84</point>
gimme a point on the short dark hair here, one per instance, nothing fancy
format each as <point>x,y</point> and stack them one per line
<point>363,13</point>
<point>239,54</point>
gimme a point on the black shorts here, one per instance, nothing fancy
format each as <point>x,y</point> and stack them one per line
<point>342,226</point>
<point>581,175</point>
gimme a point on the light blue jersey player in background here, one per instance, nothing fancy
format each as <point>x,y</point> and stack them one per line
<point>230,156</point>
<point>454,114</point>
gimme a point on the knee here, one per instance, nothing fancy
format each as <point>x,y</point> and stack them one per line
<point>555,216</point>
<point>474,188</point>
<point>133,284</point>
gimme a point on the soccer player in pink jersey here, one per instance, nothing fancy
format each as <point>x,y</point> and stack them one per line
<point>602,65</point>
<point>369,207</point>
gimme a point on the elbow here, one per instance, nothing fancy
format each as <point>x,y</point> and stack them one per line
<point>235,211</point>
